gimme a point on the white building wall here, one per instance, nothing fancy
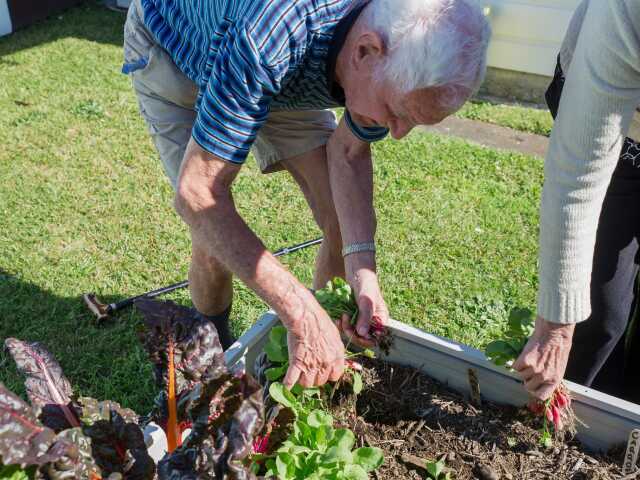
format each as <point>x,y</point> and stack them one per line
<point>5,19</point>
<point>527,34</point>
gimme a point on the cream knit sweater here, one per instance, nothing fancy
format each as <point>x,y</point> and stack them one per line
<point>600,96</point>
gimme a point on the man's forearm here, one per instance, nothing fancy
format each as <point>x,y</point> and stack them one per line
<point>210,212</point>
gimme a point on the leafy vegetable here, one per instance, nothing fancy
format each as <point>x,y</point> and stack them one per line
<point>338,299</point>
<point>117,443</point>
<point>14,472</point>
<point>521,324</point>
<point>24,440</point>
<point>47,387</point>
<point>227,414</point>
<point>436,470</point>
<point>277,352</point>
<point>62,437</point>
<point>183,349</point>
<point>315,449</point>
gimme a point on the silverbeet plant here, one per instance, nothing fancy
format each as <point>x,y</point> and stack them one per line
<point>61,436</point>
<point>556,412</point>
<point>225,412</point>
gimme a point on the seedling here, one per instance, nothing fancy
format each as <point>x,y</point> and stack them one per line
<point>505,351</point>
<point>436,470</point>
<point>277,352</point>
<point>315,449</point>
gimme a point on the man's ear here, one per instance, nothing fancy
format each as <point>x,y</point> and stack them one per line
<point>369,49</point>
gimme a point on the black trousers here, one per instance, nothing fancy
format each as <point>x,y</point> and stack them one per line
<point>606,348</point>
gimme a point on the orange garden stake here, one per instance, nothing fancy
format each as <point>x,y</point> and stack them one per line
<point>173,435</point>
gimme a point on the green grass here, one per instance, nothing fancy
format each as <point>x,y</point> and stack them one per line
<point>84,206</point>
<point>525,119</point>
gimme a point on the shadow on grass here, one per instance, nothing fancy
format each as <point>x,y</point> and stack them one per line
<point>103,361</point>
<point>90,20</point>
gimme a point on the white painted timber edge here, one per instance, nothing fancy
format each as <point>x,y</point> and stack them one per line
<point>245,349</point>
<point>5,19</point>
<point>607,420</point>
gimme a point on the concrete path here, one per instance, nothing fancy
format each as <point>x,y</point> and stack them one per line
<point>492,136</point>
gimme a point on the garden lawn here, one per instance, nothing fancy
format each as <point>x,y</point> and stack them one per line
<point>518,117</point>
<point>84,206</point>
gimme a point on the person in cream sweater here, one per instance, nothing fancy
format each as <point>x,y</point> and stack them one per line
<point>590,202</point>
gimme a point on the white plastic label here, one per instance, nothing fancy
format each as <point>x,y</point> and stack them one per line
<point>630,464</point>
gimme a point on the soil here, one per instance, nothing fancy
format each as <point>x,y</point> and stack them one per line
<point>415,419</point>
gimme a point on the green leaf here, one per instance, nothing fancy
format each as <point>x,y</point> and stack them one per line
<point>317,418</point>
<point>304,434</point>
<point>278,335</point>
<point>500,352</point>
<point>14,472</point>
<point>270,465</point>
<point>323,435</point>
<point>280,394</point>
<point>357,383</point>
<point>343,438</point>
<point>369,458</point>
<point>435,469</point>
<point>275,353</point>
<point>274,374</point>
<point>520,321</point>
<point>285,466</point>
<point>337,454</point>
<point>354,472</point>
<point>546,440</point>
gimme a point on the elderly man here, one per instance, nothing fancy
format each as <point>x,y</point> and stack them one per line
<point>217,77</point>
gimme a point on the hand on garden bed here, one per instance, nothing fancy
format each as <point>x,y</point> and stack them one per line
<point>316,352</point>
<point>373,314</point>
<point>544,359</point>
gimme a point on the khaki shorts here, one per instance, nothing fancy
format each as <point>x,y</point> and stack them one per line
<point>167,98</point>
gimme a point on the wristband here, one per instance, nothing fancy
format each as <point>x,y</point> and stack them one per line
<point>358,247</point>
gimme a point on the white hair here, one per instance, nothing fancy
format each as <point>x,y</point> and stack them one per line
<point>433,43</point>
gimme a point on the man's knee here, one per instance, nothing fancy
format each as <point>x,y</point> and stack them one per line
<point>204,262</point>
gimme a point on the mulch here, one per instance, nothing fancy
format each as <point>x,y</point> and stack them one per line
<point>415,419</point>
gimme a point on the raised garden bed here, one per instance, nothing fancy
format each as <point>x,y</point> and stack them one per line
<point>416,406</point>
<point>212,419</point>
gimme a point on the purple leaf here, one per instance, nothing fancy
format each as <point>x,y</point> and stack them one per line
<point>197,353</point>
<point>76,462</point>
<point>45,382</point>
<point>227,415</point>
<point>117,442</point>
<point>23,439</point>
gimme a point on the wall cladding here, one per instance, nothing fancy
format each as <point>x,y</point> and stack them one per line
<point>15,14</point>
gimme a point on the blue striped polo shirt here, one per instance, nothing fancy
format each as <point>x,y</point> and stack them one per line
<point>249,57</point>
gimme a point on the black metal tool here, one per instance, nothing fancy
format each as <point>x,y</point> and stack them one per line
<point>102,311</point>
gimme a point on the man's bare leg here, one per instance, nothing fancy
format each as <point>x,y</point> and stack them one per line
<point>211,289</point>
<point>312,175</point>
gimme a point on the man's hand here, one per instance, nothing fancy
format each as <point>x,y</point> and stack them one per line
<point>372,310</point>
<point>544,359</point>
<point>316,352</point>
